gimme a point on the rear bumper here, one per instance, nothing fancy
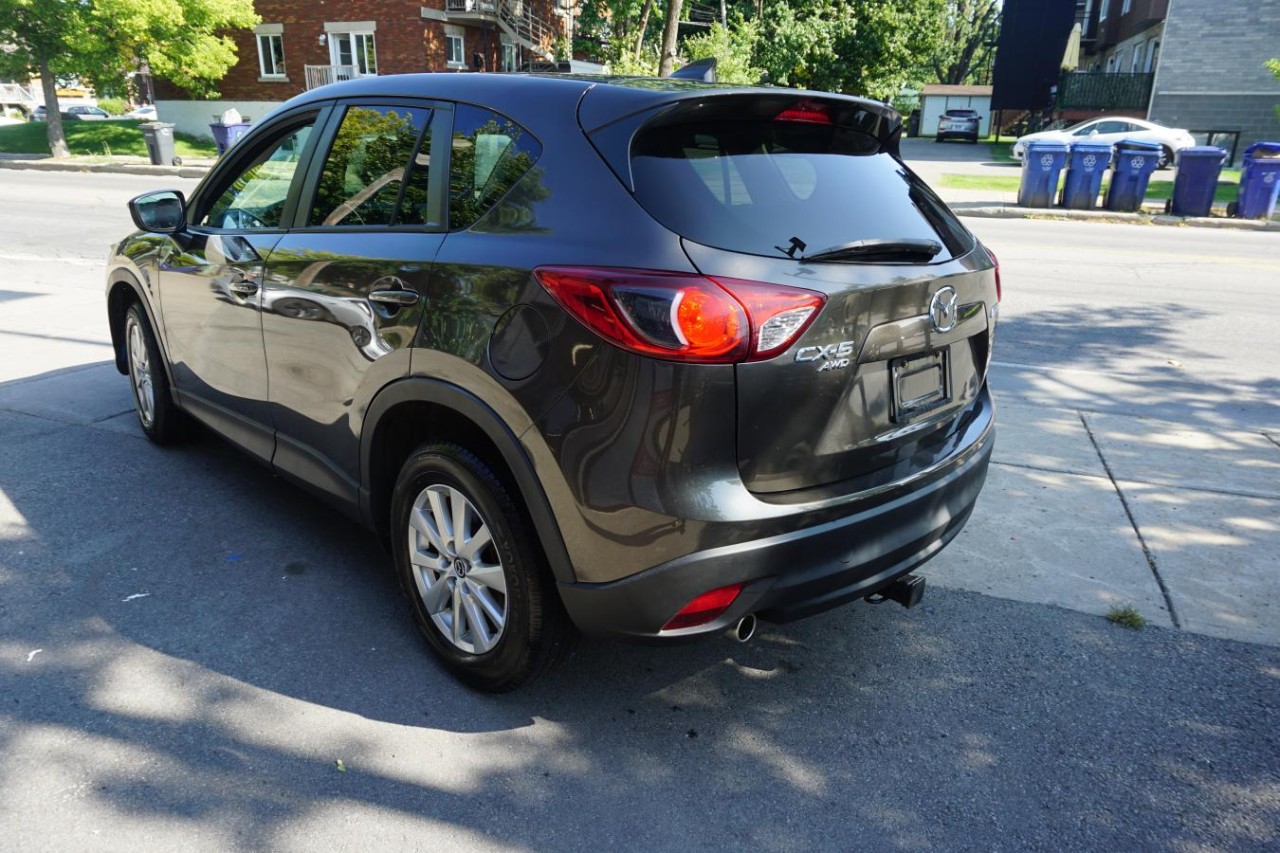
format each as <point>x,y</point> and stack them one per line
<point>796,574</point>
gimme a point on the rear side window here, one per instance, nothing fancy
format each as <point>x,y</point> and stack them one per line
<point>489,154</point>
<point>752,185</point>
<point>376,171</point>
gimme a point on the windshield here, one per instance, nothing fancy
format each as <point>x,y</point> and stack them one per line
<point>755,185</point>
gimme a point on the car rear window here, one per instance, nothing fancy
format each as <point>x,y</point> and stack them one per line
<point>753,185</point>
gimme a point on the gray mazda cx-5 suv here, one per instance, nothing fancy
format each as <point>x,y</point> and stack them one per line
<point>637,358</point>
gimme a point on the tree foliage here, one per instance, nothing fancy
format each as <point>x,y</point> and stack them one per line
<point>866,47</point>
<point>101,41</point>
<point>733,48</point>
<point>968,41</point>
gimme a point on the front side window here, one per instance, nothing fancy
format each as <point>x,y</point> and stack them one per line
<point>271,54</point>
<point>377,170</point>
<point>489,154</point>
<point>255,198</point>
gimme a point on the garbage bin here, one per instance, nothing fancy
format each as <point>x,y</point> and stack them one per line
<point>1135,161</point>
<point>1198,171</point>
<point>1042,162</point>
<point>1084,176</point>
<point>226,135</point>
<point>1259,182</point>
<point>159,139</point>
<point>913,124</point>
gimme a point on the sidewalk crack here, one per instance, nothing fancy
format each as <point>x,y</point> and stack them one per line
<point>1133,522</point>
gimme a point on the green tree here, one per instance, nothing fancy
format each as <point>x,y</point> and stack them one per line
<point>733,48</point>
<point>1274,65</point>
<point>968,40</point>
<point>184,41</point>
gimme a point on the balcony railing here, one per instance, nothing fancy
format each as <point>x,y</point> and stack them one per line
<point>1098,90</point>
<point>485,6</point>
<point>16,93</point>
<point>323,75</point>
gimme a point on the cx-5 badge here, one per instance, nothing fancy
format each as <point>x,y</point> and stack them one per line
<point>834,356</point>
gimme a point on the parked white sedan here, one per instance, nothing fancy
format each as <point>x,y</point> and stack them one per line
<point>1113,130</point>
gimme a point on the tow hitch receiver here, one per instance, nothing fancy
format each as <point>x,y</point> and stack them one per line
<point>906,590</point>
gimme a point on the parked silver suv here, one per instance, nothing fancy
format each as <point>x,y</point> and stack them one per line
<point>958,124</point>
<point>638,358</point>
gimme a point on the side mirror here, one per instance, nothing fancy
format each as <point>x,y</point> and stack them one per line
<point>160,212</point>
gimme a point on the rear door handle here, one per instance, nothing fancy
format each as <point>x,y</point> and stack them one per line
<point>394,297</point>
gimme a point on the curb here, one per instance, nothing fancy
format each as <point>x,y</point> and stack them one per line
<point>1062,214</point>
<point>192,171</point>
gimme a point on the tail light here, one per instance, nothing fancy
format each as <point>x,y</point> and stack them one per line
<point>683,316</point>
<point>806,112</point>
<point>996,261</point>
<point>705,608</point>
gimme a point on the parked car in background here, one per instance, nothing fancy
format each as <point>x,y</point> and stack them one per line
<point>146,112</point>
<point>644,359</point>
<point>958,124</point>
<point>1113,130</point>
<point>82,112</point>
<point>39,114</point>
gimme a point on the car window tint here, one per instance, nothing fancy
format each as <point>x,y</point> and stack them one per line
<point>750,186</point>
<point>254,199</point>
<point>489,154</point>
<point>1112,127</point>
<point>1086,130</point>
<point>377,169</point>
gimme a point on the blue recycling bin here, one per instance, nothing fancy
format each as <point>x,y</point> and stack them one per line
<point>226,135</point>
<point>1042,162</point>
<point>1134,163</point>
<point>1084,176</point>
<point>1259,182</point>
<point>1198,171</point>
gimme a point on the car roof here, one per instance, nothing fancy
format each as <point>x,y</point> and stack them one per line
<point>612,96</point>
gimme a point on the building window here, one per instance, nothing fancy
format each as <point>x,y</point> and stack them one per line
<point>508,56</point>
<point>352,46</point>
<point>1137,58</point>
<point>270,38</point>
<point>1152,55</point>
<point>1126,6</point>
<point>455,52</point>
<point>1103,6</point>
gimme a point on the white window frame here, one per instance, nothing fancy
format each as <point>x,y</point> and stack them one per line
<point>356,33</point>
<point>267,68</point>
<point>455,36</point>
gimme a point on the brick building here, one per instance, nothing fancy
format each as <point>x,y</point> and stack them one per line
<point>301,44</point>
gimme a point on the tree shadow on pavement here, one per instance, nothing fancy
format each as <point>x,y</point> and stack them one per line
<point>189,647</point>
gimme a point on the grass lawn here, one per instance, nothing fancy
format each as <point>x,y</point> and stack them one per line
<point>1002,152</point>
<point>95,138</point>
<point>1157,190</point>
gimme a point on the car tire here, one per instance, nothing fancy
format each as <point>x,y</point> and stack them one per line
<point>158,415</point>
<point>1166,157</point>
<point>488,610</point>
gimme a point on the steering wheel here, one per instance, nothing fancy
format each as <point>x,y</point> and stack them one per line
<point>241,220</point>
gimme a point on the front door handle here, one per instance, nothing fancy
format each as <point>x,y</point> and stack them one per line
<point>399,298</point>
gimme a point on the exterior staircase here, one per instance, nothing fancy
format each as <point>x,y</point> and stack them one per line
<point>515,17</point>
<point>17,95</point>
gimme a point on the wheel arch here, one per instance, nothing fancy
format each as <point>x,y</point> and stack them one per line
<point>124,291</point>
<point>416,409</point>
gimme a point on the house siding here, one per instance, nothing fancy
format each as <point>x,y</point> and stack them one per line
<point>1212,74</point>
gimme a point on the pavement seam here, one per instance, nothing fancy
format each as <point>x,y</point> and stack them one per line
<point>1133,522</point>
<point>1046,469</point>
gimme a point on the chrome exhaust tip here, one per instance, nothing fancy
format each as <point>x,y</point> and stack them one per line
<point>745,629</point>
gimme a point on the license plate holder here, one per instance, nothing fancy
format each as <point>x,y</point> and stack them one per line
<point>921,383</point>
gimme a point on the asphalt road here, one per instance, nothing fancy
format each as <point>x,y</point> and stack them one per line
<point>189,647</point>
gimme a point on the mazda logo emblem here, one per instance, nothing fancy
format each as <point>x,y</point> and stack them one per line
<point>942,310</point>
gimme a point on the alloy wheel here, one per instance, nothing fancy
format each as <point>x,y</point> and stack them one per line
<point>140,374</point>
<point>456,569</point>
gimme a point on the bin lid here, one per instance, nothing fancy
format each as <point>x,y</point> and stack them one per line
<point>1263,150</point>
<point>1137,145</point>
<point>1047,146</point>
<point>1202,152</point>
<point>1092,147</point>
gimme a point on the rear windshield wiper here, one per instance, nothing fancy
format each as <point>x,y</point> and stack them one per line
<point>879,249</point>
